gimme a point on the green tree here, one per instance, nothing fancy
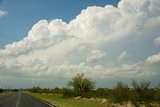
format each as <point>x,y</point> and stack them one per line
<point>142,91</point>
<point>81,84</point>
<point>121,92</point>
<point>36,89</point>
<point>138,86</point>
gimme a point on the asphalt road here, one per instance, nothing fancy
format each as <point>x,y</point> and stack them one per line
<point>20,100</point>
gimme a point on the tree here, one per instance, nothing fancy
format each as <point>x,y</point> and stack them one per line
<point>141,85</point>
<point>121,86</point>
<point>142,90</point>
<point>81,84</point>
<point>121,92</point>
<point>36,89</point>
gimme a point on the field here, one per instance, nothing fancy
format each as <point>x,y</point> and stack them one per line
<point>67,102</point>
<point>121,95</point>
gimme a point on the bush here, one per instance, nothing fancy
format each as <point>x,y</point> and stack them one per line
<point>157,94</point>
<point>36,89</point>
<point>142,91</point>
<point>69,93</point>
<point>1,90</point>
<point>120,92</point>
<point>57,90</point>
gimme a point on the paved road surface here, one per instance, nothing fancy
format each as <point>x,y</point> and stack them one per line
<point>20,100</point>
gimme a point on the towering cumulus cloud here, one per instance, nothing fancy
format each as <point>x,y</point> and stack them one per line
<point>90,43</point>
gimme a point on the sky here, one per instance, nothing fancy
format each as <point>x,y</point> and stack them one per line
<point>23,14</point>
<point>47,42</point>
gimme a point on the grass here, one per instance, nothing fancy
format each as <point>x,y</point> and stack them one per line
<point>60,101</point>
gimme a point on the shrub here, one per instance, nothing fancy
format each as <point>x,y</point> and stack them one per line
<point>142,91</point>
<point>1,90</point>
<point>69,93</point>
<point>36,89</point>
<point>120,92</point>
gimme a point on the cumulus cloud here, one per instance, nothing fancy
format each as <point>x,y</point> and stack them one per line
<point>95,56</point>
<point>124,56</point>
<point>153,59</point>
<point>157,41</point>
<point>3,13</point>
<point>133,68</point>
<point>59,48</point>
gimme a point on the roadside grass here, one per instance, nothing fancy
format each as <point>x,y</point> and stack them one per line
<point>60,101</point>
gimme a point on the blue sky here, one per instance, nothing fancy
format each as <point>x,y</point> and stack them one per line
<point>22,14</point>
<point>47,42</point>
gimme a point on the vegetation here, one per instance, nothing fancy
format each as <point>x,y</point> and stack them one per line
<point>81,84</point>
<point>140,91</point>
<point>120,92</point>
<point>61,101</point>
<point>1,90</point>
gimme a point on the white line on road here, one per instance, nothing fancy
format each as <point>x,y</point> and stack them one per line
<point>17,104</point>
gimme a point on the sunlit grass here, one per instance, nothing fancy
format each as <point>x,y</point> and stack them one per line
<point>67,102</point>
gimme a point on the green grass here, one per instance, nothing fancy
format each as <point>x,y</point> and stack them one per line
<point>67,102</point>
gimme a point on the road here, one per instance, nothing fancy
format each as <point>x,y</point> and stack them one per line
<point>20,100</point>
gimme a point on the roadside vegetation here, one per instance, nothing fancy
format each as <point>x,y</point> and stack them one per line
<point>1,90</point>
<point>8,90</point>
<point>60,101</point>
<point>81,90</point>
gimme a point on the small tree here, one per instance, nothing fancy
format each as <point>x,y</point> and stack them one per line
<point>142,90</point>
<point>121,92</point>
<point>36,89</point>
<point>81,84</point>
<point>142,85</point>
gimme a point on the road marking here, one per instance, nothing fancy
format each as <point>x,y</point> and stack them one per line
<point>17,104</point>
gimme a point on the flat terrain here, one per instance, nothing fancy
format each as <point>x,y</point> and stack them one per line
<point>20,100</point>
<point>61,101</point>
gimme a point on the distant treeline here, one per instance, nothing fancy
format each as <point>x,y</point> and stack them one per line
<point>1,90</point>
<point>84,87</point>
<point>8,90</point>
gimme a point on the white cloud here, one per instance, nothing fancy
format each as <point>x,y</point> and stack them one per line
<point>153,59</point>
<point>157,41</point>
<point>60,48</point>
<point>3,13</point>
<point>131,67</point>
<point>95,56</point>
<point>124,56</point>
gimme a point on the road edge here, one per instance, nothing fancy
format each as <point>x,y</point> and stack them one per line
<point>43,101</point>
